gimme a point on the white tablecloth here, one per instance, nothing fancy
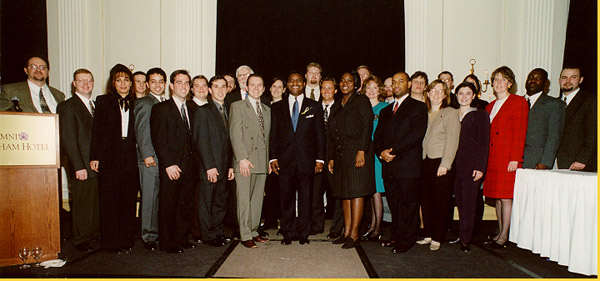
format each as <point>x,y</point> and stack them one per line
<point>555,214</point>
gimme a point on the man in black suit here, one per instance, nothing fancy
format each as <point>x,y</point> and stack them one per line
<point>578,147</point>
<point>172,139</point>
<point>297,153</point>
<point>211,139</point>
<point>545,124</point>
<point>398,142</point>
<point>76,117</point>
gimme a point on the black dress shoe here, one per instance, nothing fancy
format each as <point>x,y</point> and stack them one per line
<point>390,243</point>
<point>262,233</point>
<point>340,240</point>
<point>350,243</point>
<point>223,239</point>
<point>173,250</point>
<point>465,247</point>
<point>489,240</point>
<point>315,232</point>
<point>115,250</point>
<point>333,235</point>
<point>215,242</point>
<point>497,245</point>
<point>187,245</point>
<point>83,247</point>
<point>399,249</point>
<point>455,241</point>
<point>304,241</point>
<point>286,241</point>
<point>150,246</point>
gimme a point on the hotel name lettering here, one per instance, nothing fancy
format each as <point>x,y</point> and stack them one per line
<point>21,145</point>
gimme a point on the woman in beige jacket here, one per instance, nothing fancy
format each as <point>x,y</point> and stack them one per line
<point>439,148</point>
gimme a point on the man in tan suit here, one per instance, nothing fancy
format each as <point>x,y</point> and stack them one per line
<point>249,127</point>
<point>33,95</point>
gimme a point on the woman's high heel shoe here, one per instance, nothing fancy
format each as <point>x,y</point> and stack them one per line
<point>375,236</point>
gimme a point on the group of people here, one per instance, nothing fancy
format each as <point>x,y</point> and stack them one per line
<point>219,145</point>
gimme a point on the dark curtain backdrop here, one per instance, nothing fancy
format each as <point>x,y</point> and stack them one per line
<point>275,37</point>
<point>581,47</point>
<point>24,32</point>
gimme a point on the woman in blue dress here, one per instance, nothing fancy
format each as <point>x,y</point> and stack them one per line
<point>374,90</point>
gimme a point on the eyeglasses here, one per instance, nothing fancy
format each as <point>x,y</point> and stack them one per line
<point>83,81</point>
<point>437,91</point>
<point>35,67</point>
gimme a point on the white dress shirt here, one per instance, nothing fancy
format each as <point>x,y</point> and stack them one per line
<point>568,98</point>
<point>199,102</point>
<point>317,92</point>
<point>179,103</point>
<point>86,102</point>
<point>532,99</point>
<point>291,100</point>
<point>496,108</point>
<point>34,90</point>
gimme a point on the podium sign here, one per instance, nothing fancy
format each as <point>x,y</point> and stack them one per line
<point>29,140</point>
<point>29,162</point>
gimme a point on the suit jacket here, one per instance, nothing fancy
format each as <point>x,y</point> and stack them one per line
<point>404,133</point>
<point>75,134</point>
<point>106,136</point>
<point>21,91</point>
<point>246,137</point>
<point>441,138</point>
<point>232,97</point>
<point>507,133</point>
<point>297,152</point>
<point>211,140</point>
<point>545,125</point>
<point>171,138</point>
<point>578,142</point>
<point>473,145</point>
<point>142,109</point>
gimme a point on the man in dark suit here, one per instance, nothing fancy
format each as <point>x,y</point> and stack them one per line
<point>240,93</point>
<point>297,153</point>
<point>545,125</point>
<point>211,139</point>
<point>76,117</point>
<point>447,77</point>
<point>398,142</point>
<point>172,139</point>
<point>33,95</point>
<point>578,146</point>
<point>147,162</point>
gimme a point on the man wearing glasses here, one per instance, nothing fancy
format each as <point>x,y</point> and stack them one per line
<point>33,95</point>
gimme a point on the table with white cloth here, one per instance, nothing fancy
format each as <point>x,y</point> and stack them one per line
<point>555,214</point>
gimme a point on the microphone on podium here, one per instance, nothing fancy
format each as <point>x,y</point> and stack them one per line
<point>15,101</point>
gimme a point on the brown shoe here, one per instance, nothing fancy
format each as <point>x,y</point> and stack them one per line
<point>390,243</point>
<point>259,239</point>
<point>249,244</point>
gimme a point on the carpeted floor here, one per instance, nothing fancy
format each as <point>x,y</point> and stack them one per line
<point>319,259</point>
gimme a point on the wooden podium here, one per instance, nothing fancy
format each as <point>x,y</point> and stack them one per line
<point>29,163</point>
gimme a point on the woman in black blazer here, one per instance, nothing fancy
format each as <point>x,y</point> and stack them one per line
<point>471,160</point>
<point>113,156</point>
<point>350,149</point>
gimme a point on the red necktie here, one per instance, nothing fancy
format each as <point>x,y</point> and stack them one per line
<point>396,107</point>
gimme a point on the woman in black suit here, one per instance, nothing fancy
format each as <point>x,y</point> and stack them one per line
<point>471,160</point>
<point>350,149</point>
<point>113,156</point>
<point>477,102</point>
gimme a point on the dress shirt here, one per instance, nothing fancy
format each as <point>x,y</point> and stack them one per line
<point>34,90</point>
<point>86,102</point>
<point>496,108</point>
<point>568,98</point>
<point>179,102</point>
<point>327,108</point>
<point>253,103</point>
<point>317,92</point>
<point>291,100</point>
<point>532,99</point>
<point>124,121</point>
<point>158,97</point>
<point>400,100</point>
<point>199,102</point>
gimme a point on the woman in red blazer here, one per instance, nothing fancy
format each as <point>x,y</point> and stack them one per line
<point>508,117</point>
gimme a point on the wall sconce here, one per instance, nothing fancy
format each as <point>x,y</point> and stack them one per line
<point>486,82</point>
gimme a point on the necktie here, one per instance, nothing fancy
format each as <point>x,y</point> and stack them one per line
<point>565,100</point>
<point>43,104</point>
<point>261,120</point>
<point>124,103</point>
<point>529,102</point>
<point>326,113</point>
<point>184,116</point>
<point>312,94</point>
<point>223,115</point>
<point>396,105</point>
<point>92,108</point>
<point>245,95</point>
<point>295,113</point>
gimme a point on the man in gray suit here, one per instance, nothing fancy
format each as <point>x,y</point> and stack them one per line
<point>546,121</point>
<point>148,162</point>
<point>249,128</point>
<point>33,95</point>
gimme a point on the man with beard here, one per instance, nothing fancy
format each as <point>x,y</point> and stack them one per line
<point>545,125</point>
<point>313,79</point>
<point>33,95</point>
<point>578,147</point>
